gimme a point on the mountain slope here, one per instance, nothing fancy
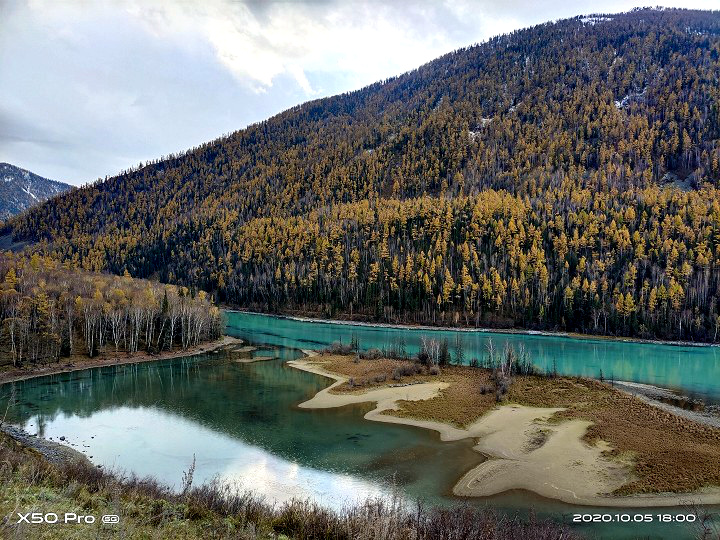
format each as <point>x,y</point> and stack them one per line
<point>532,181</point>
<point>21,189</point>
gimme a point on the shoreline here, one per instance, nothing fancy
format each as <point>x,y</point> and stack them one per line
<point>56,453</point>
<point>660,397</point>
<point>480,330</point>
<point>564,468</point>
<point>16,375</point>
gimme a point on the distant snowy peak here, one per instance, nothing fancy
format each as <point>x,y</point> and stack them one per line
<point>21,189</point>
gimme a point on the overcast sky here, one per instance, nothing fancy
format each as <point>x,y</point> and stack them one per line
<point>91,87</point>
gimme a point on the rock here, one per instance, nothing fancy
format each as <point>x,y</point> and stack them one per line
<point>62,437</point>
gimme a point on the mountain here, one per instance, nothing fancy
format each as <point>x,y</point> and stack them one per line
<point>21,189</point>
<point>563,176</point>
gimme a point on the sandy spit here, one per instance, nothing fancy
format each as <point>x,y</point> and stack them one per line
<point>523,448</point>
<point>55,452</point>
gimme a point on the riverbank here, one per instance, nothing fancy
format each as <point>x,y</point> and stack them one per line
<point>116,359</point>
<point>482,330</point>
<point>575,440</point>
<point>672,402</point>
<point>53,452</point>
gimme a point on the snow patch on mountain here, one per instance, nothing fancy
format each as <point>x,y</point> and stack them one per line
<point>21,189</point>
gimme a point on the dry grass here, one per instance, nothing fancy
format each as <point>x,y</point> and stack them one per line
<point>367,374</point>
<point>669,453</point>
<point>460,404</point>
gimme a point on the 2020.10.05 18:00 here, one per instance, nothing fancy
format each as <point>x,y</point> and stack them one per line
<point>634,518</point>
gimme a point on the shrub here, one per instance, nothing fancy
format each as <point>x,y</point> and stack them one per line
<point>338,348</point>
<point>486,389</point>
<point>371,354</point>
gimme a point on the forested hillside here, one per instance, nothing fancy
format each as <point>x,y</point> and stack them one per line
<point>48,311</point>
<point>564,176</point>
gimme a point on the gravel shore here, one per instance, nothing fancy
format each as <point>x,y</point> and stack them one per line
<point>55,453</point>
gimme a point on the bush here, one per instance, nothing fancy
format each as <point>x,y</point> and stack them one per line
<point>371,354</point>
<point>444,353</point>
<point>486,389</point>
<point>338,348</point>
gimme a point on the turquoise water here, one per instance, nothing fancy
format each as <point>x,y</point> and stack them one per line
<point>241,424</point>
<point>694,370</point>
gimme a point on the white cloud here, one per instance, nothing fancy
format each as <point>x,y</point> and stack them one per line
<point>258,42</point>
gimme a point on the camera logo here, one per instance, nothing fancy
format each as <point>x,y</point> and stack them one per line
<point>69,517</point>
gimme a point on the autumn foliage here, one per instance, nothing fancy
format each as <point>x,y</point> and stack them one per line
<point>562,177</point>
<point>49,311</point>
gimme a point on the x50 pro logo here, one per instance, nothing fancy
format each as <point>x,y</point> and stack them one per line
<point>51,518</point>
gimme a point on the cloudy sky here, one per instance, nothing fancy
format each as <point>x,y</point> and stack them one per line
<point>91,87</point>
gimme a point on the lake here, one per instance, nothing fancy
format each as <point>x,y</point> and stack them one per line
<point>241,424</point>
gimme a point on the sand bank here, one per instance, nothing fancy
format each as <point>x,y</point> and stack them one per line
<point>253,359</point>
<point>665,399</point>
<point>523,448</point>
<point>386,398</point>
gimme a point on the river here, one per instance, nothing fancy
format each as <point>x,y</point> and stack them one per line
<point>241,424</point>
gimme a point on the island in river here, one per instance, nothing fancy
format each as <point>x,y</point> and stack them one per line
<point>577,440</point>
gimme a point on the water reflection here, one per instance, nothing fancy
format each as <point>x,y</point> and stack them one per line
<point>241,421</point>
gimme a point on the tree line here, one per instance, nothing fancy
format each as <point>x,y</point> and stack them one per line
<point>49,311</point>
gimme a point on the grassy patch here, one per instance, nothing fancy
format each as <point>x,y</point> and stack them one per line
<point>460,404</point>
